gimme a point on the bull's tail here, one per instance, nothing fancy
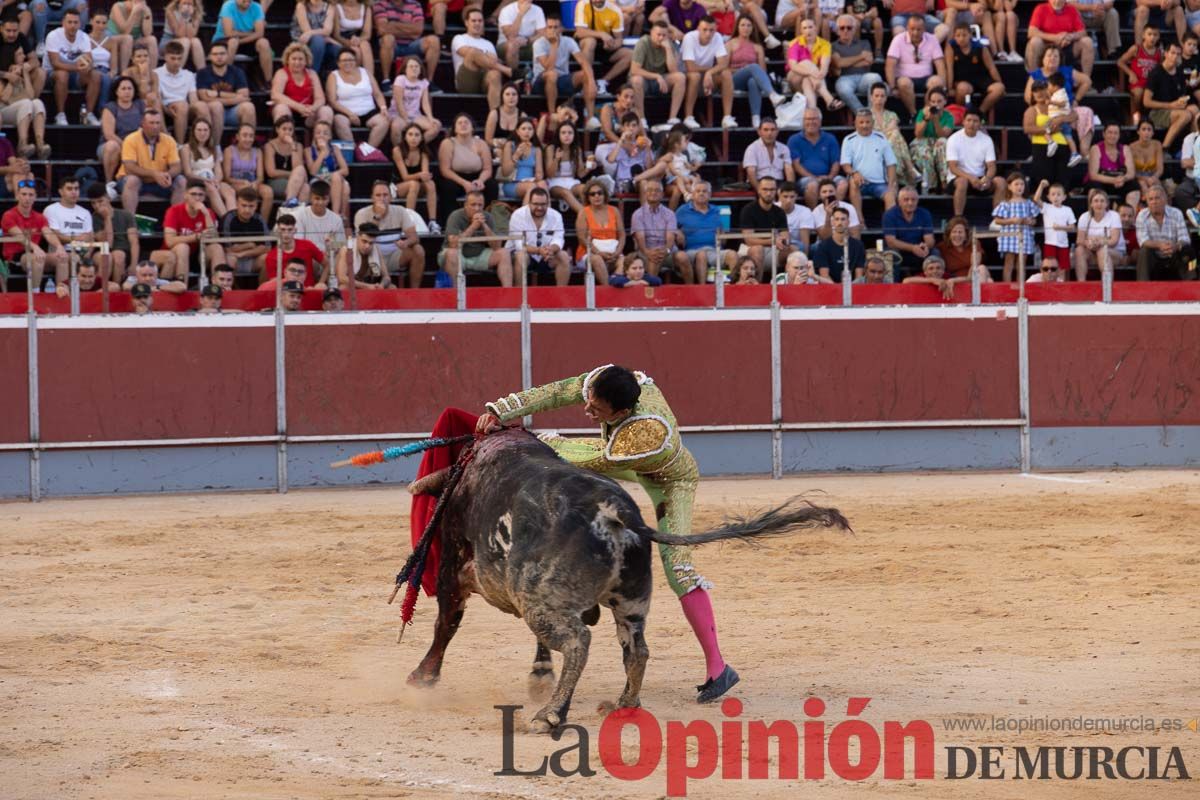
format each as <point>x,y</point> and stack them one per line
<point>794,515</point>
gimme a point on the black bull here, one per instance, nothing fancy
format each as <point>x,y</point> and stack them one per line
<point>551,543</point>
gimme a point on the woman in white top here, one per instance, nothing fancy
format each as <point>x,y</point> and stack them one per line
<point>1098,239</point>
<point>352,29</point>
<point>355,97</point>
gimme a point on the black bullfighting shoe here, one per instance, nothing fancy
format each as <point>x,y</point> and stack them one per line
<point>713,688</point>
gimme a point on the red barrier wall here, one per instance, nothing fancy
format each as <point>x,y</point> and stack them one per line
<point>14,356</point>
<point>1114,370</point>
<point>898,369</point>
<point>714,372</point>
<point>346,379</point>
<point>156,383</point>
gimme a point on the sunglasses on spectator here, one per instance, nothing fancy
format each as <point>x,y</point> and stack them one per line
<point>26,184</point>
<point>845,27</point>
<point>595,193</point>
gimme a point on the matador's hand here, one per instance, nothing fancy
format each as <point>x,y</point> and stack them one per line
<point>487,423</point>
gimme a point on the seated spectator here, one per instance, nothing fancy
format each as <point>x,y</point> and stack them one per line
<point>294,270</point>
<point>411,157</point>
<point>564,166</point>
<point>1049,272</point>
<point>244,220</point>
<point>748,63</point>
<point>915,62</point>
<point>183,21</point>
<point>798,271</point>
<point>316,222</point>
<point>242,23</point>
<point>69,221</point>
<point>1100,15</point>
<point>146,274</point>
<point>869,163</point>
<point>223,88</point>
<point>1056,23</point>
<point>853,61</point>
<point>353,30</point>
<point>289,248</point>
<point>521,160</point>
<point>959,253</point>
<point>908,229</point>
<point>600,232</point>
<point>143,298</point>
<point>118,119</point>
<point>887,122</point>
<point>362,262</point>
<point>472,221</point>
<point>13,170</point>
<point>876,271</point>
<point>1168,98</point>
<point>1148,161</point>
<point>357,100</point>
<point>800,219</point>
<point>44,13</point>
<point>1046,166</point>
<point>19,107</point>
<point>540,248</point>
<point>519,23</point>
<point>904,10</point>
<point>1128,215</point>
<point>142,72</point>
<point>1098,239</point>
<point>868,19</point>
<point>411,104</point>
<point>553,54</point>
<point>829,254</point>
<point>184,227</point>
<point>970,71</point>
<point>613,113</point>
<point>672,166</point>
<point>767,157</point>
<point>464,162</point>
<point>933,272</point>
<point>117,228</point>
<point>971,162</point>
<point>88,279</point>
<point>222,275</point>
<point>23,220</point>
<point>283,164</point>
<point>149,165</point>
<point>210,299</point>
<point>501,122</point>
<point>477,69</point>
<point>1165,248</point>
<point>745,272</point>
<point>18,58</point>
<point>398,241</point>
<point>296,89</point>
<point>631,155</point>
<point>931,128</point>
<point>177,87</point>
<point>332,300</point>
<point>1160,14</point>
<point>243,168</point>
<point>1111,164</point>
<point>1076,84</point>
<point>312,27</point>
<point>808,61</point>
<point>600,29</point>
<point>200,161</point>
<point>292,296</point>
<point>764,228</point>
<point>400,26</point>
<point>68,59</point>
<point>698,223</point>
<point>654,69</point>
<point>815,156</point>
<point>706,66</point>
<point>655,232</point>
<point>972,13</point>
<point>826,202</point>
<point>324,162</point>
<point>633,273</point>
<point>130,23</point>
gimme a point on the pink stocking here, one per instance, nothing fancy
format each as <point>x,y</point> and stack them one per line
<point>697,607</point>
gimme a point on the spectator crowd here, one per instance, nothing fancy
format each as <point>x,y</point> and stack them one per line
<point>592,106</point>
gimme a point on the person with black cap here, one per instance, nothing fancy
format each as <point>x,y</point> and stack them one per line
<point>293,295</point>
<point>332,301</point>
<point>210,299</point>
<point>143,298</point>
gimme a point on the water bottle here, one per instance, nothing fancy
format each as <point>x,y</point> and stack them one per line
<point>726,217</point>
<point>49,286</point>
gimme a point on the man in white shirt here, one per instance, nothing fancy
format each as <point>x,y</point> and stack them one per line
<point>402,252</point>
<point>800,219</point>
<point>69,221</point>
<point>552,56</point>
<point>177,88</point>
<point>521,24</point>
<point>69,60</point>
<point>706,63</point>
<point>541,250</point>
<point>971,158</point>
<point>476,67</point>
<point>317,223</point>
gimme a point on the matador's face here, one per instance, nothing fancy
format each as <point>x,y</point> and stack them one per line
<point>600,410</point>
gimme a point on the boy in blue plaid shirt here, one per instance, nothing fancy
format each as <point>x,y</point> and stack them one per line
<point>1016,217</point>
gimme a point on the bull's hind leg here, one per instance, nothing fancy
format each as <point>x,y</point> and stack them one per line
<point>631,628</point>
<point>569,636</point>
<point>541,677</point>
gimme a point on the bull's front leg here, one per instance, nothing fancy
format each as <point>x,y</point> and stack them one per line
<point>569,636</point>
<point>452,593</point>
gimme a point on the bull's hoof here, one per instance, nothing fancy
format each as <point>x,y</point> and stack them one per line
<point>541,684</point>
<point>422,679</point>
<point>540,727</point>
<point>545,722</point>
<point>607,707</point>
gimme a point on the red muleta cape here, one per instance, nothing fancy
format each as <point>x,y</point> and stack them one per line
<point>452,422</point>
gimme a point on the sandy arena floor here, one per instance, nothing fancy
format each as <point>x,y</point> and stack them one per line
<point>239,645</point>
